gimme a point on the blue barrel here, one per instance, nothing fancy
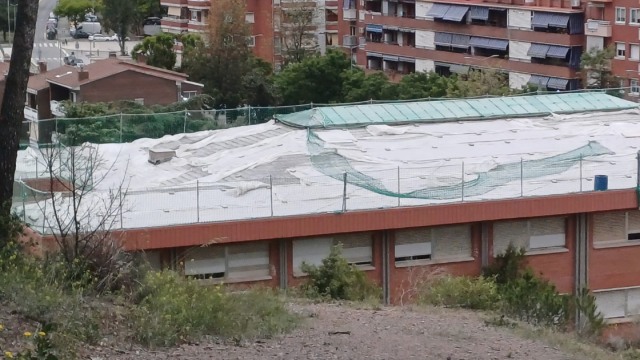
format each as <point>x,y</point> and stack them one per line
<point>601,183</point>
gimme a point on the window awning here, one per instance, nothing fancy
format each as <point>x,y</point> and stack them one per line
<point>557,83</point>
<point>487,43</point>
<point>390,58</point>
<point>392,28</point>
<point>459,69</point>
<point>539,80</point>
<point>538,50</point>
<point>407,60</point>
<point>374,28</point>
<point>559,20</point>
<point>479,13</point>
<point>438,63</point>
<point>443,39</point>
<point>456,13</point>
<point>559,52</point>
<point>373,54</point>
<point>438,10</point>
<point>545,19</point>
<point>460,41</point>
<point>407,30</point>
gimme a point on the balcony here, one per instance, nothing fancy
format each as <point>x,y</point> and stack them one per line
<point>197,26</point>
<point>173,3</point>
<point>477,30</point>
<point>597,28</point>
<point>30,114</point>
<point>477,61</point>
<point>349,41</point>
<point>56,108</point>
<point>199,4</point>
<point>169,22</point>
<point>350,14</point>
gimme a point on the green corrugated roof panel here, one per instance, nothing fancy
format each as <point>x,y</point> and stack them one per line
<point>447,110</point>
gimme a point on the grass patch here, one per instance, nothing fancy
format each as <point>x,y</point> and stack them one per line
<point>466,292</point>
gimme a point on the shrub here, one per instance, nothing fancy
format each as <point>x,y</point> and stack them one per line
<point>474,293</point>
<point>39,347</point>
<point>507,266</point>
<point>173,309</point>
<point>594,323</point>
<point>337,279</point>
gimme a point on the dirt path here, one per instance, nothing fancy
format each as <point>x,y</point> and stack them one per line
<point>390,334</point>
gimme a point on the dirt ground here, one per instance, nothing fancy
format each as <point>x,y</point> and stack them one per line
<point>393,333</point>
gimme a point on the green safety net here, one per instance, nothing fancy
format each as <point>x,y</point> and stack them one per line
<point>336,166</point>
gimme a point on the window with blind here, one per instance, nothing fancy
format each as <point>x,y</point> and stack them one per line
<point>616,227</point>
<point>530,234</point>
<point>618,303</point>
<point>247,261</point>
<point>440,243</point>
<point>356,248</point>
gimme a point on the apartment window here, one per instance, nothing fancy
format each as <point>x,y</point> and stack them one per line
<point>635,52</point>
<point>616,228</point>
<point>250,17</point>
<point>356,249</point>
<point>352,30</point>
<point>633,17</point>
<point>621,15</point>
<point>635,87</point>
<point>194,15</point>
<point>139,101</point>
<point>532,234</point>
<point>620,50</point>
<point>189,94</point>
<point>277,45</point>
<point>439,244</point>
<point>251,41</point>
<point>242,262</point>
<point>618,303</point>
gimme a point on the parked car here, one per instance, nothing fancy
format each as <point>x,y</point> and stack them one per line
<point>71,60</point>
<point>78,63</point>
<point>100,37</point>
<point>116,37</point>
<point>80,34</point>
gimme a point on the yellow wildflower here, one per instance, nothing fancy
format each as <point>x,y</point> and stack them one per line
<point>27,334</point>
<point>42,333</point>
<point>8,354</point>
<point>1,327</point>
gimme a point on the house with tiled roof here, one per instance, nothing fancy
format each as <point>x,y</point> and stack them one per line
<point>107,80</point>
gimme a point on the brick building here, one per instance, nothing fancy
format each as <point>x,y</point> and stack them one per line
<point>508,170</point>
<point>105,80</point>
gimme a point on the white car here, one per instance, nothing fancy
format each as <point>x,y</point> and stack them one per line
<point>115,37</point>
<point>100,37</point>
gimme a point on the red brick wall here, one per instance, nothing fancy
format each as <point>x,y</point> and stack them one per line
<point>46,185</point>
<point>612,267</point>
<point>130,85</point>
<point>262,28</point>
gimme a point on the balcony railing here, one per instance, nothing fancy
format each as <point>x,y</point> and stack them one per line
<point>30,113</point>
<point>597,28</point>
<point>56,108</point>
<point>349,41</point>
<point>168,20</point>
<point>349,14</point>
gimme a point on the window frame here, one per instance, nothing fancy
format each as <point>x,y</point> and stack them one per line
<point>252,15</point>
<point>634,90</point>
<point>623,11</point>
<point>637,16</point>
<point>251,41</point>
<point>631,52</point>
<point>624,50</point>
<point>194,15</point>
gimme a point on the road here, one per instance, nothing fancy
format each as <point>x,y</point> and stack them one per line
<point>43,49</point>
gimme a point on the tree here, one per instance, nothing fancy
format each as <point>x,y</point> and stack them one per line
<point>12,112</point>
<point>480,83</point>
<point>258,86</point>
<point>357,86</point>
<point>298,32</point>
<point>595,69</point>
<point>422,85</point>
<point>75,10</point>
<point>222,64</point>
<point>145,8</point>
<point>119,16</point>
<point>316,79</point>
<point>158,50</point>
<point>7,17</point>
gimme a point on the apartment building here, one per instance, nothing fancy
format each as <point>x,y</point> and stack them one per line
<point>185,16</point>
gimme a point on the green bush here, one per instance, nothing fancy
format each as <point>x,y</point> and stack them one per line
<point>507,266</point>
<point>338,280</point>
<point>173,309</point>
<point>474,293</point>
<point>594,323</point>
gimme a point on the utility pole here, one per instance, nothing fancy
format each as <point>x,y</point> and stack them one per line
<point>8,18</point>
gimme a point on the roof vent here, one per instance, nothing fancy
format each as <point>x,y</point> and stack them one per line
<point>159,156</point>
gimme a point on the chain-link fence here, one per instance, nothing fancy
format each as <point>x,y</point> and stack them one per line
<point>275,196</point>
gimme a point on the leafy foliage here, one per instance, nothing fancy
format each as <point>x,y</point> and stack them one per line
<point>40,347</point>
<point>158,50</point>
<point>337,279</point>
<point>120,16</point>
<point>507,266</point>
<point>462,291</point>
<point>480,83</point>
<point>595,69</point>
<point>5,16</point>
<point>357,86</point>
<point>422,85</point>
<point>76,10</point>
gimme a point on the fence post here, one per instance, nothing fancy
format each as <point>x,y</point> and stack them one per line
<point>521,177</point>
<point>398,186</point>
<point>198,199</point>
<point>271,193</point>
<point>312,104</point>
<point>185,122</point>
<point>120,194</point>
<point>24,208</point>
<point>120,127</point>
<point>249,114</point>
<point>344,194</point>
<point>44,217</point>
<point>462,184</point>
<point>580,172</point>
<point>638,169</point>
<point>37,169</point>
